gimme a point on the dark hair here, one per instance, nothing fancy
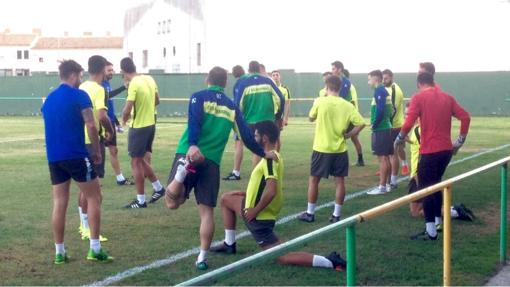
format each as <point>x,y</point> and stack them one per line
<point>262,67</point>
<point>217,76</point>
<point>338,65</point>
<point>425,79</point>
<point>428,67</point>
<point>376,73</point>
<point>254,67</point>
<point>388,72</point>
<point>269,129</point>
<point>127,65</point>
<point>275,71</point>
<point>96,64</point>
<point>237,71</point>
<point>346,73</point>
<point>67,68</point>
<point>108,63</point>
<point>327,74</point>
<point>334,83</point>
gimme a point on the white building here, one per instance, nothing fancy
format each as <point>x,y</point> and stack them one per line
<point>166,35</point>
<point>15,53</point>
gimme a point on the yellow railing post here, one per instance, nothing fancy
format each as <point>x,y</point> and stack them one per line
<point>447,235</point>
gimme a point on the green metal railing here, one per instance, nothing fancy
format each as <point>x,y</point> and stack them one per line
<point>351,222</point>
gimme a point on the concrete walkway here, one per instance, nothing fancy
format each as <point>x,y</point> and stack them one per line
<point>502,278</point>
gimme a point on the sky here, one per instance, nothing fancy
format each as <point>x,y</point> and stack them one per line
<point>457,35</point>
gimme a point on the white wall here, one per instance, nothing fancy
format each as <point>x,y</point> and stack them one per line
<point>185,33</point>
<point>9,58</point>
<point>52,57</point>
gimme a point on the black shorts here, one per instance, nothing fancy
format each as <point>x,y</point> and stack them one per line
<point>431,167</point>
<point>113,142</point>
<point>413,187</point>
<point>382,142</point>
<point>140,140</point>
<point>394,134</point>
<point>80,170</point>
<point>205,182</point>
<point>326,164</point>
<point>98,168</point>
<point>261,230</point>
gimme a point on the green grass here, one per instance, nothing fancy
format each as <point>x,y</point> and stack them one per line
<point>138,237</point>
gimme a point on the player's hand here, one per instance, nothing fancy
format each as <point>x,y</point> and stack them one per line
<point>97,158</point>
<point>458,144</point>
<point>194,154</point>
<point>399,142</point>
<point>285,122</point>
<point>249,214</point>
<point>271,155</point>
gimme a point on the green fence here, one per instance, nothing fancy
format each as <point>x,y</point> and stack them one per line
<point>482,93</point>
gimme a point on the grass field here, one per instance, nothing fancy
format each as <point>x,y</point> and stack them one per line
<point>138,237</point>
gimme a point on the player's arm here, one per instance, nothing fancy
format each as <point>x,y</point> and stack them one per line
<point>267,196</point>
<point>281,108</point>
<point>357,121</point>
<point>90,124</point>
<point>126,113</point>
<point>106,123</point>
<point>242,129</point>
<point>287,108</point>
<point>195,116</point>
<point>312,115</point>
<point>380,102</point>
<point>465,119</point>
<point>413,112</point>
<point>117,91</point>
<point>156,98</point>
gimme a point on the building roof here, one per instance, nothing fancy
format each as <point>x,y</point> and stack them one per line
<point>134,15</point>
<point>50,43</point>
<point>7,39</point>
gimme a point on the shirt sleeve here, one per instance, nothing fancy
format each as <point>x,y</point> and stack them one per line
<point>271,169</point>
<point>132,90</point>
<point>462,115</point>
<point>356,118</point>
<point>100,99</point>
<point>117,91</point>
<point>195,115</point>
<point>380,102</point>
<point>313,111</point>
<point>84,101</point>
<point>242,129</point>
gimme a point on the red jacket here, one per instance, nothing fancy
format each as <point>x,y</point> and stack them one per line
<point>435,109</point>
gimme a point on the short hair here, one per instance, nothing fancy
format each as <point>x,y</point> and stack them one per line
<point>254,67</point>
<point>388,72</point>
<point>217,76</point>
<point>262,66</point>
<point>338,65</point>
<point>334,83</point>
<point>96,64</point>
<point>425,79</point>
<point>327,74</point>
<point>428,67</point>
<point>67,68</point>
<point>376,73</point>
<point>275,71</point>
<point>269,129</point>
<point>127,65</point>
<point>108,63</point>
<point>347,74</point>
<point>237,71</point>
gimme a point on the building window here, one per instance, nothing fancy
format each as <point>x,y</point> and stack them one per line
<point>168,26</point>
<point>199,54</point>
<point>159,28</point>
<point>22,72</point>
<point>25,54</point>
<point>145,58</point>
<point>163,27</point>
<point>174,51</point>
<point>164,52</point>
<point>130,55</point>
<point>41,59</point>
<point>19,54</point>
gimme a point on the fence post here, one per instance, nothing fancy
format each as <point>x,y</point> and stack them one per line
<point>351,255</point>
<point>503,223</point>
<point>447,234</point>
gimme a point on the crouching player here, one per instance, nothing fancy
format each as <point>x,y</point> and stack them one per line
<point>260,205</point>
<point>212,115</point>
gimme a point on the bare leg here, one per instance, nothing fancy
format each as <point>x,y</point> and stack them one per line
<point>340,190</point>
<point>357,144</point>
<point>206,226</point>
<point>114,159</point>
<point>238,155</point>
<point>174,195</point>
<point>416,209</point>
<point>137,167</point>
<point>82,202</point>
<point>60,202</point>
<point>296,258</point>
<point>92,192</point>
<point>384,168</point>
<point>148,171</point>
<point>230,207</point>
<point>148,157</point>
<point>313,188</point>
<point>395,164</point>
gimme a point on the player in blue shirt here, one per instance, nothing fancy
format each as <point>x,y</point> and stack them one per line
<point>66,111</point>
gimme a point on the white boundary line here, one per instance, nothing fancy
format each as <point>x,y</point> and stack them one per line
<point>176,257</point>
<point>20,140</point>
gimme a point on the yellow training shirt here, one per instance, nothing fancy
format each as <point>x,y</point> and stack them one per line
<point>97,96</point>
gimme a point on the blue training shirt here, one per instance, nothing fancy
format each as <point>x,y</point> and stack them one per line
<point>345,89</point>
<point>63,123</point>
<point>111,107</point>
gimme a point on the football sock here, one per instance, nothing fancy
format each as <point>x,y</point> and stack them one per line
<point>202,256</point>
<point>438,220</point>
<point>453,212</point>
<point>140,198</point>
<point>338,210</point>
<point>180,174</point>
<point>157,185</point>
<point>236,172</point>
<point>394,179</point>
<point>431,229</point>
<point>321,261</point>
<point>230,236</point>
<point>59,248</point>
<point>311,208</point>
<point>120,177</point>
<point>95,245</point>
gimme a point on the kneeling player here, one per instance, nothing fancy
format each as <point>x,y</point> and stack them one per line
<point>260,205</point>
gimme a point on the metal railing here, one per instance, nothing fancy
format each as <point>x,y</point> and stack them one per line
<point>351,222</point>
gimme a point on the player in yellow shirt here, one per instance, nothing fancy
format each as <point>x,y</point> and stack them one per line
<point>93,87</point>
<point>277,78</point>
<point>322,92</point>
<point>333,116</point>
<point>355,139</point>
<point>397,120</point>
<point>260,205</point>
<point>140,111</point>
